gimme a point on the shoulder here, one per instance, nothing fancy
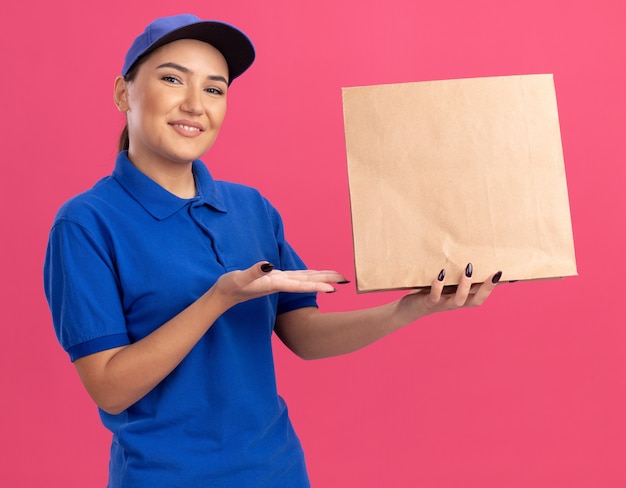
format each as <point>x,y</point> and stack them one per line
<point>237,189</point>
<point>237,194</point>
<point>88,205</point>
<point>93,216</point>
<point>248,204</point>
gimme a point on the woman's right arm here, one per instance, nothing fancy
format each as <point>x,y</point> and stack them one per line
<point>117,378</point>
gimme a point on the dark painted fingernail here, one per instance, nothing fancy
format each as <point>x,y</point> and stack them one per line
<point>469,269</point>
<point>496,277</point>
<point>442,275</point>
<point>332,291</point>
<point>267,267</point>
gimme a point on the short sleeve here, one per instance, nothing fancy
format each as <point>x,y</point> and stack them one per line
<point>83,291</point>
<point>289,260</point>
<point>293,301</point>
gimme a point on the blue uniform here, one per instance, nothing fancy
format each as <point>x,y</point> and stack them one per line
<point>125,257</point>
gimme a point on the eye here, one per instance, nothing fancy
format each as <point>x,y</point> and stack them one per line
<point>170,79</point>
<point>214,91</point>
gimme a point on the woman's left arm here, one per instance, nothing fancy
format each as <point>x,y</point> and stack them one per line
<point>312,334</point>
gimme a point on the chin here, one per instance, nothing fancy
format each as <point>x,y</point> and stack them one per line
<point>191,154</point>
<point>186,156</point>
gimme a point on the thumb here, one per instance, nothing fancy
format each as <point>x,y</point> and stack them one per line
<point>254,272</point>
<point>259,270</point>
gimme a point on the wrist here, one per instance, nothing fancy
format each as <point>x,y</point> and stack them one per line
<point>217,301</point>
<point>410,308</point>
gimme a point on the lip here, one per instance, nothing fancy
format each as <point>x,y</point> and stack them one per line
<point>187,128</point>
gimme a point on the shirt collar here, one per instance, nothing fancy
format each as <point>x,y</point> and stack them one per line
<point>155,199</point>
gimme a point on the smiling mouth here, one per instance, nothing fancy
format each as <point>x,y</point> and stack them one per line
<point>187,127</point>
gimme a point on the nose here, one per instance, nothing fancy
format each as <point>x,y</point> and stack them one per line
<point>192,102</point>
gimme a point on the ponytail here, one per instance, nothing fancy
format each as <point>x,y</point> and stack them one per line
<point>122,145</point>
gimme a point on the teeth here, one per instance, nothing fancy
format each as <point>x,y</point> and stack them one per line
<point>186,127</point>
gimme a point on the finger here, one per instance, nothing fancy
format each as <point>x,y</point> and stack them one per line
<point>465,284</point>
<point>486,288</point>
<point>303,281</point>
<point>254,272</point>
<point>436,288</point>
<point>322,276</point>
<point>264,267</point>
<point>262,278</point>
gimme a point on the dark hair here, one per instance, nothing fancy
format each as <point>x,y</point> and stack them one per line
<point>122,144</point>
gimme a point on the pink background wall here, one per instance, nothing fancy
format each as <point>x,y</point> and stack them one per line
<point>529,390</point>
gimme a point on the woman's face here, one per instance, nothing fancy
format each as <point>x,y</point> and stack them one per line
<point>176,104</point>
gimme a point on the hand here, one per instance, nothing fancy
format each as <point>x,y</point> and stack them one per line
<point>425,302</point>
<point>262,279</point>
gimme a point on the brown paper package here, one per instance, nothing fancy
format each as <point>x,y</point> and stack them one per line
<point>443,173</point>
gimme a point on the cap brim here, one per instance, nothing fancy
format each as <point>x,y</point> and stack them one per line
<point>234,45</point>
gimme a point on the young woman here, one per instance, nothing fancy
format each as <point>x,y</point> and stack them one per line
<point>165,285</point>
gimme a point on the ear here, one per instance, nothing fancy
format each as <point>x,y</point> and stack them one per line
<point>120,94</point>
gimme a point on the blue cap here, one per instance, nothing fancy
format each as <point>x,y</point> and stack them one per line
<point>234,45</point>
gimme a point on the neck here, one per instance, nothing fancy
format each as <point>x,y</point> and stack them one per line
<point>176,178</point>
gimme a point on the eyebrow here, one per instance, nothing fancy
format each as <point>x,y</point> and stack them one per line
<point>183,69</point>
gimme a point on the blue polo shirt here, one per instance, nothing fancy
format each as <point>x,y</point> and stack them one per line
<point>126,256</point>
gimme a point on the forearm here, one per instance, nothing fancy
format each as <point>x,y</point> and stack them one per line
<point>118,378</point>
<point>312,334</point>
<point>315,335</point>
